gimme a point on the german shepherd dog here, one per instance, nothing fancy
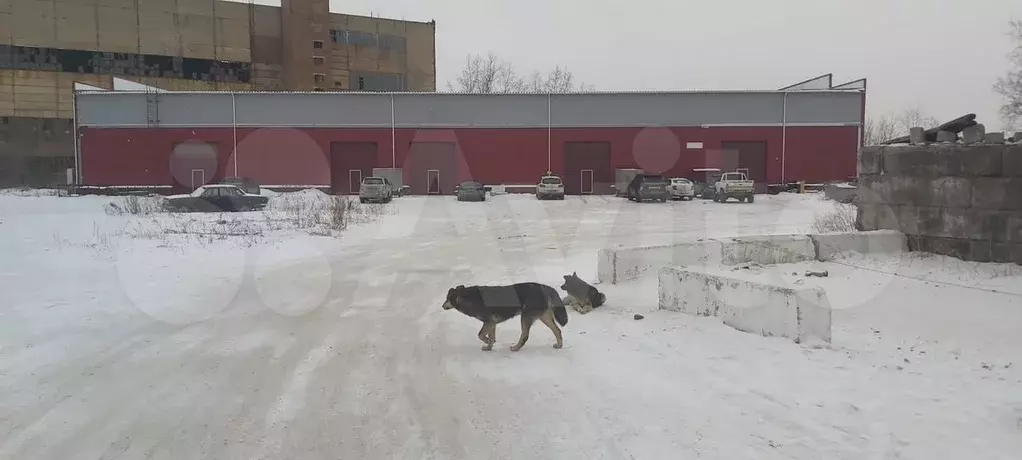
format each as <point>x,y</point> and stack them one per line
<point>585,297</point>
<point>495,304</point>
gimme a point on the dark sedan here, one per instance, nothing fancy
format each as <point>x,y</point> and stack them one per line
<point>215,198</point>
<point>471,191</point>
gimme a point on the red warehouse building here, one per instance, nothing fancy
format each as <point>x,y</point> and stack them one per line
<point>185,139</point>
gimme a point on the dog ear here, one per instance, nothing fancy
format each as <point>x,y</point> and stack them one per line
<point>575,274</point>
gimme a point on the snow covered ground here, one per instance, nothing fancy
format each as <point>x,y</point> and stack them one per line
<point>245,336</point>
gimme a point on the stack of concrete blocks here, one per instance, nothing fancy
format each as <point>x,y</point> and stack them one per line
<point>957,199</point>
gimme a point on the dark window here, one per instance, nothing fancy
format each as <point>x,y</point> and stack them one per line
<point>123,64</point>
<point>317,60</point>
<point>361,83</point>
<point>317,44</point>
<point>318,77</point>
<point>318,89</point>
<point>338,84</point>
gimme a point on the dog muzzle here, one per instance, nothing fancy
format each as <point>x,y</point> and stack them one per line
<point>448,305</point>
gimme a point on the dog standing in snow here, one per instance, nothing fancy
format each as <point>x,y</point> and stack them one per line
<point>582,296</point>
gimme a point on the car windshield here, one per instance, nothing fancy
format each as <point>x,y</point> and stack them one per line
<point>471,185</point>
<point>551,180</point>
<point>373,181</point>
<point>734,176</point>
<point>653,179</point>
<point>681,181</point>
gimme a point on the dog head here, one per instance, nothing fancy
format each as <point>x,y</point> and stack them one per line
<point>597,298</point>
<point>453,297</point>
<point>568,279</point>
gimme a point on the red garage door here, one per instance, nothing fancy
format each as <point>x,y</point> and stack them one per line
<point>349,163</point>
<point>587,168</point>
<point>431,168</point>
<point>751,156</point>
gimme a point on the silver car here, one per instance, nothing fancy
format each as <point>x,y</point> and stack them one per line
<point>550,186</point>
<point>375,189</point>
<point>681,189</point>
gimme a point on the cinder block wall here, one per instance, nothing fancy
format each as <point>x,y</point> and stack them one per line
<point>952,199</point>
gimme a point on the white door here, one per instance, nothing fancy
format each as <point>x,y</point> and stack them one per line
<point>433,182</point>
<point>354,181</point>
<point>587,181</point>
<point>198,178</point>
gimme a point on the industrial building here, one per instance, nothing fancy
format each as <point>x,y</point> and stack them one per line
<point>180,140</point>
<point>47,47</point>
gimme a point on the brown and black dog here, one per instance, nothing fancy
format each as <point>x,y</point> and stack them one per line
<point>495,304</point>
<point>584,297</point>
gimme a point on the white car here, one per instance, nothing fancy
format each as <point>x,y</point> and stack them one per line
<point>550,186</point>
<point>681,189</point>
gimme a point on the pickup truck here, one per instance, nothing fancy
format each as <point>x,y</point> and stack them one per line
<point>734,185</point>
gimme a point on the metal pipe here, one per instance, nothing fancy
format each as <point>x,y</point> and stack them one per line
<point>393,135</point>
<point>784,132</point>
<point>234,125</point>
<point>549,137</point>
<point>74,131</point>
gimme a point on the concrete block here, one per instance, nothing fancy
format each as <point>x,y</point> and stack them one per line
<point>917,135</point>
<point>974,134</point>
<point>871,189</point>
<point>767,249</point>
<point>922,161</point>
<point>628,264</point>
<point>947,136</point>
<point>1013,228</point>
<point>997,193</point>
<point>993,138</point>
<point>865,217</point>
<point>1012,161</point>
<point>768,310</point>
<point>870,160</point>
<point>1017,137</point>
<point>953,192</point>
<point>830,246</point>
<point>1006,253</point>
<point>979,159</point>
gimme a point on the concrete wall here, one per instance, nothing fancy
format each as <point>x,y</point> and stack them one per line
<point>624,264</point>
<point>758,308</point>
<point>953,199</point>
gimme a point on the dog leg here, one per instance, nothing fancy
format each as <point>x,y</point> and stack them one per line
<point>526,324</point>
<point>486,335</point>
<point>548,319</point>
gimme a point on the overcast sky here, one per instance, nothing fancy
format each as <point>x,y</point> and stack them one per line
<point>941,56</point>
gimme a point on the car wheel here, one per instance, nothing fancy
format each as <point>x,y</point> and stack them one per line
<point>751,198</point>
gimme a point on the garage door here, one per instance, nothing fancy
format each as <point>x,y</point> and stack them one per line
<point>750,156</point>
<point>587,168</point>
<point>431,168</point>
<point>349,163</point>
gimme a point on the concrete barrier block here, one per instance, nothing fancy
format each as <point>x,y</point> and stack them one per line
<point>767,249</point>
<point>993,138</point>
<point>830,246</point>
<point>917,135</point>
<point>974,134</point>
<point>869,160</point>
<point>980,160</point>
<point>630,264</point>
<point>947,136</point>
<point>997,193</point>
<point>1012,160</point>
<point>758,308</point>
<point>955,192</point>
<point>922,161</point>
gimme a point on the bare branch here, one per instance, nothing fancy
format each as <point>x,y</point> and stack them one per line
<point>491,75</point>
<point>1010,85</point>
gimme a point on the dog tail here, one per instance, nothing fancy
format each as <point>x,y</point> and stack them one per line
<point>557,305</point>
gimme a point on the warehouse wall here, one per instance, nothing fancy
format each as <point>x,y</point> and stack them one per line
<point>140,156</point>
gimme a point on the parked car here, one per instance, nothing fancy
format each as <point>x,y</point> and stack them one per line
<point>648,187</point>
<point>376,189</point>
<point>471,191</point>
<point>734,185</point>
<point>682,189</point>
<point>550,186</point>
<point>216,198</point>
<point>246,184</point>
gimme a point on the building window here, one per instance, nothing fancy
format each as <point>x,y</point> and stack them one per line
<point>318,89</point>
<point>318,77</point>
<point>317,60</point>
<point>361,83</point>
<point>338,84</point>
<point>317,44</point>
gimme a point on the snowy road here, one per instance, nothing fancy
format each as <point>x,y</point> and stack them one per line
<point>317,348</point>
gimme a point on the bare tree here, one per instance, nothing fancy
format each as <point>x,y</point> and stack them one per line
<point>879,129</point>
<point>1010,86</point>
<point>913,118</point>
<point>491,75</point>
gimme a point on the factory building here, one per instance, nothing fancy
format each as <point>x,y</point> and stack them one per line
<point>47,47</point>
